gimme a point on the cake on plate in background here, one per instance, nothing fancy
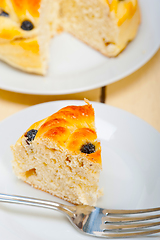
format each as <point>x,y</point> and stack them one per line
<point>26,28</point>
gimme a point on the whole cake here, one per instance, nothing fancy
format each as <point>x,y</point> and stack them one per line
<point>61,155</point>
<point>26,27</point>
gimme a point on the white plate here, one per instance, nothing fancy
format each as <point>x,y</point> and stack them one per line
<point>75,67</point>
<point>130,176</point>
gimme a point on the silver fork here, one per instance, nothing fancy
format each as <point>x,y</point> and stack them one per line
<point>99,222</point>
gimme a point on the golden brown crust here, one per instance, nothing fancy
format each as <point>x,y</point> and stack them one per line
<point>69,129</point>
<point>21,7</point>
<point>71,117</point>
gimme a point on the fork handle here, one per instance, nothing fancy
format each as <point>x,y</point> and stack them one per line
<point>5,198</point>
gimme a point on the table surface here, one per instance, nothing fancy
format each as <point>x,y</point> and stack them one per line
<point>138,93</point>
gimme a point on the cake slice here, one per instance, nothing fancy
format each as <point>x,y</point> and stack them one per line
<point>25,32</point>
<point>61,155</point>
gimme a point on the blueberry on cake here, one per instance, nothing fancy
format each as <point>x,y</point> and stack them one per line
<point>26,27</point>
<point>61,155</point>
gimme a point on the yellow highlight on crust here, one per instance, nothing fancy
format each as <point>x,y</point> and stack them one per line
<point>126,13</point>
<point>22,6</point>
<point>3,3</point>
<point>130,11</point>
<point>28,45</point>
<point>9,34</point>
<point>114,6</point>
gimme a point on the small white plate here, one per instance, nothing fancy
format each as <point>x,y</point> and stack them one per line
<point>130,176</point>
<point>75,67</point>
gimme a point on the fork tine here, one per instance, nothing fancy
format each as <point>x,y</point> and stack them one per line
<point>139,226</point>
<point>135,211</point>
<point>123,235</point>
<point>121,223</point>
<point>108,219</point>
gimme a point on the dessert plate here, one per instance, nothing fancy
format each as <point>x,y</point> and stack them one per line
<point>130,176</point>
<point>75,67</point>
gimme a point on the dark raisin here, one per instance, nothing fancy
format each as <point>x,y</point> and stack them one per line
<point>4,14</point>
<point>88,148</point>
<point>27,25</point>
<point>30,135</point>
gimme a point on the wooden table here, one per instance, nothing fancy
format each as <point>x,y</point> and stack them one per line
<point>138,93</point>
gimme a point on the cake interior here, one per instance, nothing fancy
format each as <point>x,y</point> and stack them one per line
<point>90,21</point>
<point>71,177</point>
<point>106,27</point>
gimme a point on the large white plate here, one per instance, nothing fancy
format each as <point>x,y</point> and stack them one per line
<point>75,67</point>
<point>130,176</point>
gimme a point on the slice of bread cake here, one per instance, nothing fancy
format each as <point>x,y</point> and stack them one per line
<point>61,155</point>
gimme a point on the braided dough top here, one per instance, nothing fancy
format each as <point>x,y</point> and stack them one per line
<point>69,129</point>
